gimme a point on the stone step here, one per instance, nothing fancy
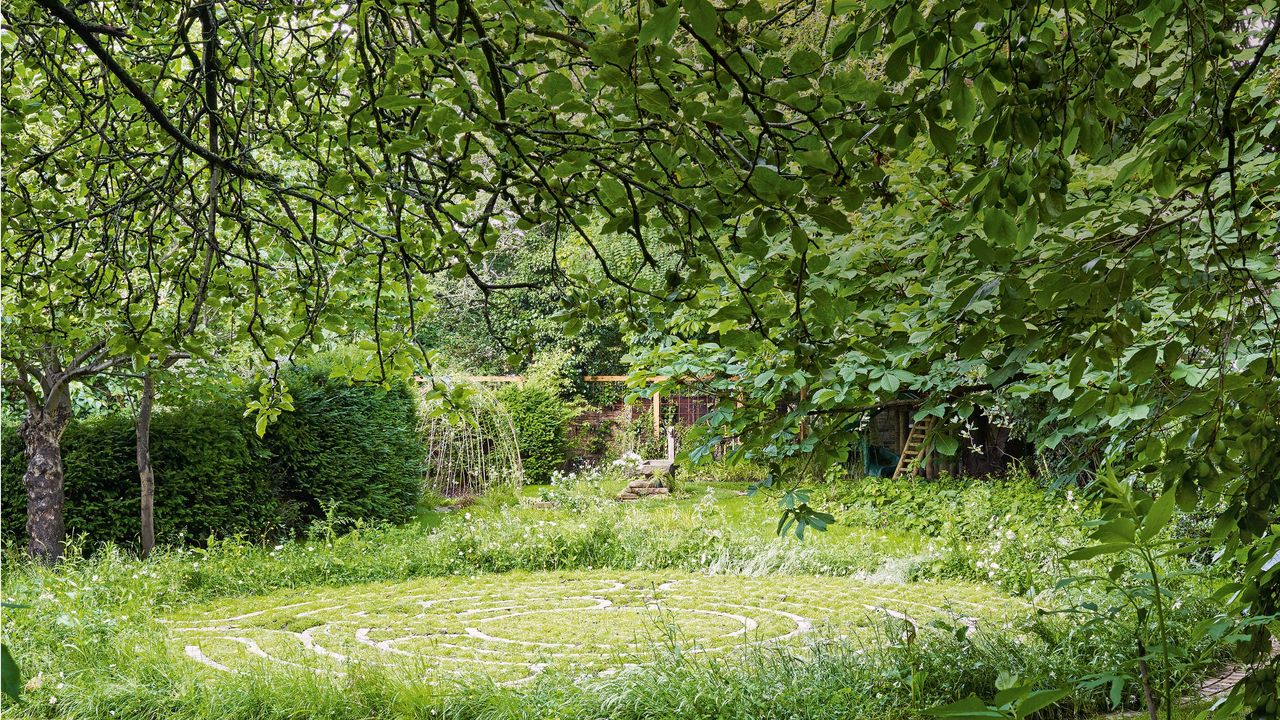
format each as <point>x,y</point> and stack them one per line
<point>626,496</point>
<point>651,491</point>
<point>654,468</point>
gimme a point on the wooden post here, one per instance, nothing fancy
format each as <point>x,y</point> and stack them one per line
<point>657,413</point>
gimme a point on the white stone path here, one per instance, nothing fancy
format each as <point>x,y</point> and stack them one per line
<point>512,628</point>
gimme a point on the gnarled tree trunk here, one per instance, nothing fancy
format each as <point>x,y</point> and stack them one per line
<point>41,432</point>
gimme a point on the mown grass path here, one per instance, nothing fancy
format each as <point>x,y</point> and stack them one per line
<point>511,627</point>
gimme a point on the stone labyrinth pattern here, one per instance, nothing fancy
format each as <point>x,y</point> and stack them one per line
<point>512,627</point>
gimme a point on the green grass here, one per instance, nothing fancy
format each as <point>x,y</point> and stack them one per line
<point>511,627</point>
<point>108,635</point>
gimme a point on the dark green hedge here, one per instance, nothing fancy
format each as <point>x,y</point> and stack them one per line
<point>210,470</point>
<point>539,417</point>
<point>355,446</point>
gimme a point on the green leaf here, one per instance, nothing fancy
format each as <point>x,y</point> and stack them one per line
<point>1163,180</point>
<point>1040,700</point>
<point>10,675</point>
<point>338,183</point>
<point>845,38</point>
<point>703,17</point>
<point>970,707</point>
<point>831,218</point>
<point>400,146</point>
<point>556,86</point>
<point>661,25</point>
<point>906,18</point>
<point>999,227</point>
<point>942,138</point>
<point>896,68</point>
<point>962,103</point>
<point>1093,551</point>
<point>1142,364</point>
<point>1158,516</point>
<point>804,61</point>
<point>395,102</point>
<point>1128,171</point>
<point>1075,369</point>
<point>946,444</point>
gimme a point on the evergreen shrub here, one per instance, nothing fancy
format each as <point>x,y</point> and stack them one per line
<point>348,449</point>
<point>539,416</point>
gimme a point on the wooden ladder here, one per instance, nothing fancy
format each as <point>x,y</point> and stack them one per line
<point>915,446</point>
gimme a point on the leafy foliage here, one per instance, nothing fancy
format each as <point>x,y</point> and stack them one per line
<point>355,447</point>
<point>350,446</point>
<point>539,416</point>
<point>211,478</point>
<point>506,332</point>
<point>836,203</point>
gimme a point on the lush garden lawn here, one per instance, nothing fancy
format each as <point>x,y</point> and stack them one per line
<point>511,627</point>
<point>684,607</point>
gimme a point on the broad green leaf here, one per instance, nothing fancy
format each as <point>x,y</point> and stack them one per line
<point>1039,700</point>
<point>1093,551</point>
<point>703,17</point>
<point>1158,516</point>
<point>962,103</point>
<point>946,444</point>
<point>395,102</point>
<point>661,25</point>
<point>1142,364</point>
<point>897,67</point>
<point>10,675</point>
<point>999,227</point>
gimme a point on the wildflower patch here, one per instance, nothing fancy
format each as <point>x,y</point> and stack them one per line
<point>512,627</point>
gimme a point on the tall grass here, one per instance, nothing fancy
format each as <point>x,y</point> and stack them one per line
<point>882,677</point>
<point>92,639</point>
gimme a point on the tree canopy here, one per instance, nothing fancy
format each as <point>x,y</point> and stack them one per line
<point>834,206</point>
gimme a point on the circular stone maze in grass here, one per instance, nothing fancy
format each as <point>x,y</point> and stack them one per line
<point>512,627</point>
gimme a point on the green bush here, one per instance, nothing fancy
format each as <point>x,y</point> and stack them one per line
<point>353,447</point>
<point>1008,531</point>
<point>352,450</point>
<point>539,417</point>
<point>209,468</point>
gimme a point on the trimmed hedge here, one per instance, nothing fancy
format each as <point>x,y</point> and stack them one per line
<point>539,417</point>
<point>353,446</point>
<point>210,470</point>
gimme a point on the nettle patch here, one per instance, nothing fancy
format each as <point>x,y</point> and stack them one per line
<point>512,627</point>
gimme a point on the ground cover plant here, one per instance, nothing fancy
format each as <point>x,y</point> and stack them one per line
<point>585,605</point>
<point>513,626</point>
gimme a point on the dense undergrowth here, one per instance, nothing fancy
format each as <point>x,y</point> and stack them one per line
<point>92,637</point>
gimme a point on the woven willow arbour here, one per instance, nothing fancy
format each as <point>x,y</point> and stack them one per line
<point>471,445</point>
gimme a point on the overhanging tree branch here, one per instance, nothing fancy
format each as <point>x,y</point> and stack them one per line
<point>88,34</point>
